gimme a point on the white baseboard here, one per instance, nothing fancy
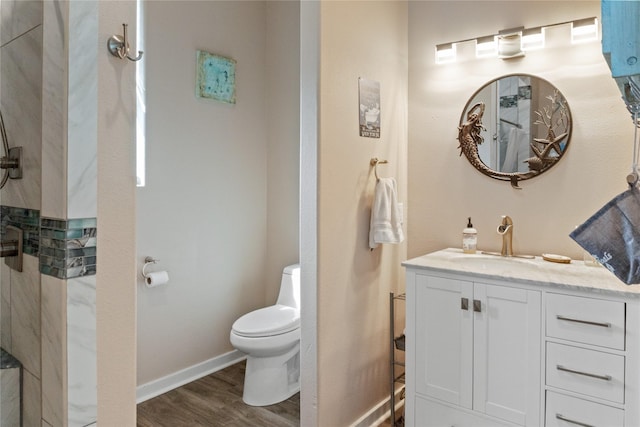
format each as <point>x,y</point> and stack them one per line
<point>379,413</point>
<point>187,375</point>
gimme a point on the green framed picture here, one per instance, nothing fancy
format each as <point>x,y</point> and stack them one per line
<point>215,77</point>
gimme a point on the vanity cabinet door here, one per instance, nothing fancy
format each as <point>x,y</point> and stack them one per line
<point>444,339</point>
<point>507,353</point>
<point>478,346</point>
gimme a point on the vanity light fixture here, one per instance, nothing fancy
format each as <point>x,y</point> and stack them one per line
<point>584,30</point>
<point>514,42</point>
<point>486,46</point>
<point>533,38</point>
<point>510,43</point>
<point>445,53</point>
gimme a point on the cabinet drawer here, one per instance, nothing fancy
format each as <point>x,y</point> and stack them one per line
<point>588,372</point>
<point>586,320</point>
<point>567,411</point>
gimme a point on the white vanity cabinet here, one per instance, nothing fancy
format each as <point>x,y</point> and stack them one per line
<point>474,345</point>
<point>500,342</point>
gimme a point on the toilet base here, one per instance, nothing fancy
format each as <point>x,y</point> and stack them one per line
<point>270,380</point>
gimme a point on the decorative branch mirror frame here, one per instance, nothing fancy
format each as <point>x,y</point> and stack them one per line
<point>515,127</point>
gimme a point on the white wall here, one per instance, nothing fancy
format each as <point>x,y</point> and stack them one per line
<point>445,188</point>
<point>309,107</point>
<point>220,208</point>
<point>283,133</point>
<point>357,39</point>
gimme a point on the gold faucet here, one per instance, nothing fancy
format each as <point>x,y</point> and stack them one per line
<point>506,231</point>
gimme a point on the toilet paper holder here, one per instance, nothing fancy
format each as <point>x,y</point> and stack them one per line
<point>147,260</point>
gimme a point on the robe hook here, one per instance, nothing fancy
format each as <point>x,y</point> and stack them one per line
<point>119,46</point>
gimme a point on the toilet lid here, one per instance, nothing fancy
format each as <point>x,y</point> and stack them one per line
<point>264,322</point>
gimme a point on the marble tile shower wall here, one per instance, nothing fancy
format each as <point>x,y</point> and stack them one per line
<point>21,47</point>
<point>47,312</point>
<point>21,101</point>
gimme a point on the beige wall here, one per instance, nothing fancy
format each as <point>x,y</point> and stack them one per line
<point>444,189</point>
<point>357,39</point>
<point>116,269</point>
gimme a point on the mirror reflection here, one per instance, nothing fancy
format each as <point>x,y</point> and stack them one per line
<point>515,127</point>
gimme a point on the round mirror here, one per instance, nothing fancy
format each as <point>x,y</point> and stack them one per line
<point>515,127</point>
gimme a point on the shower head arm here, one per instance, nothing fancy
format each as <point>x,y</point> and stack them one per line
<point>11,162</point>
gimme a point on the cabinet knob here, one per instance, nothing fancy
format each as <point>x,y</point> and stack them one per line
<point>464,303</point>
<point>477,306</point>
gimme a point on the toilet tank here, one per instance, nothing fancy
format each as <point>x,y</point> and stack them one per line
<point>290,287</point>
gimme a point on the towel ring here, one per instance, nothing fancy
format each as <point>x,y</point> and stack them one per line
<point>375,162</point>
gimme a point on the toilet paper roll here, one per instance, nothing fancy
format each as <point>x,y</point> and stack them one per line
<point>156,278</point>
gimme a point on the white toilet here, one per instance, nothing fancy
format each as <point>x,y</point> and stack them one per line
<point>271,338</point>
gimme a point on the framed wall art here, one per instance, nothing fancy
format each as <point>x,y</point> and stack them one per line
<point>215,77</point>
<point>369,94</point>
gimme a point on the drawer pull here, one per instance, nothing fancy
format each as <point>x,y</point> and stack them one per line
<point>569,420</point>
<point>586,374</point>
<point>477,306</point>
<point>586,322</point>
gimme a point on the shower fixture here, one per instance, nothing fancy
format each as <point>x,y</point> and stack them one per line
<point>11,247</point>
<point>11,161</point>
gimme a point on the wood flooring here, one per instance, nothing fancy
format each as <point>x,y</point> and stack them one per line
<point>216,401</point>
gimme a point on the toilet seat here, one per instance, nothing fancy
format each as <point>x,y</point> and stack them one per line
<point>274,320</point>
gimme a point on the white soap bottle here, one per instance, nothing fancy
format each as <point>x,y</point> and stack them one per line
<point>469,239</point>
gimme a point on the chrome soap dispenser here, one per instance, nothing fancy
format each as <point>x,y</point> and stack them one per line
<point>469,238</point>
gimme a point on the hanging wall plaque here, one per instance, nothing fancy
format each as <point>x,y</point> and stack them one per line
<point>369,91</point>
<point>215,77</point>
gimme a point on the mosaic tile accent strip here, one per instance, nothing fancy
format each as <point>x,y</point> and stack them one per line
<point>68,247</point>
<point>28,220</point>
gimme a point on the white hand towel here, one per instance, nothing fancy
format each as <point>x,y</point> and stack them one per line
<point>517,152</point>
<point>510,163</point>
<point>386,214</point>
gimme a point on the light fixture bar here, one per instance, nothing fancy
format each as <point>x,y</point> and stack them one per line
<point>486,46</point>
<point>514,42</point>
<point>584,30</point>
<point>510,43</point>
<point>445,53</point>
<point>533,38</point>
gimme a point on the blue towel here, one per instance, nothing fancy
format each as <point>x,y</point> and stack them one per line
<point>612,236</point>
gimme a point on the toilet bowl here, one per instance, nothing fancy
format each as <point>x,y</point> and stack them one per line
<point>270,337</point>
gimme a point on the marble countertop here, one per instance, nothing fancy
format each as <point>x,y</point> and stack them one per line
<point>575,275</point>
